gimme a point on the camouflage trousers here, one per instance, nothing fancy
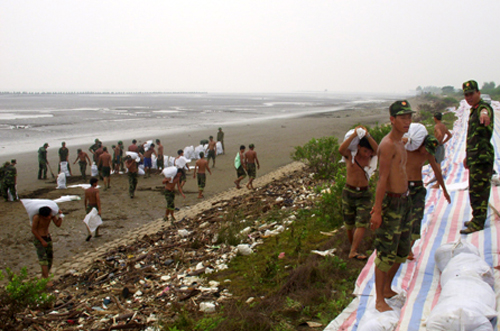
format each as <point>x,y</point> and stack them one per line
<point>170,197</point>
<point>356,206</point>
<point>42,170</point>
<point>45,254</point>
<point>83,169</point>
<point>5,187</point>
<point>417,197</point>
<point>202,179</point>
<point>479,192</point>
<point>392,238</point>
<point>132,182</point>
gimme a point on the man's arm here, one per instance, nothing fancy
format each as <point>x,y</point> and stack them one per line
<point>447,134</point>
<point>386,155</point>
<point>76,159</point>
<point>343,148</point>
<point>57,219</point>
<point>257,160</point>
<point>180,189</point>
<point>439,176</point>
<point>195,168</point>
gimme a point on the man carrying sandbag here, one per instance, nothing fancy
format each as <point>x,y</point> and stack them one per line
<point>42,240</point>
<point>92,200</point>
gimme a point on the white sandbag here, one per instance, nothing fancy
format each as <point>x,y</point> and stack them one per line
<point>61,181</point>
<point>218,148</point>
<point>467,264</point>
<point>198,150</point>
<point>140,170</point>
<point>189,152</point>
<point>416,135</point>
<point>446,318</point>
<point>147,145</point>
<point>170,172</point>
<point>94,171</point>
<point>171,161</point>
<point>181,162</point>
<point>373,320</point>
<point>445,252</point>
<point>64,168</point>
<point>466,303</point>
<point>134,156</point>
<point>66,198</point>
<point>33,206</point>
<point>153,161</point>
<point>353,146</point>
<point>92,220</point>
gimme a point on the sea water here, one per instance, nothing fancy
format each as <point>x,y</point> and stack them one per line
<point>29,120</point>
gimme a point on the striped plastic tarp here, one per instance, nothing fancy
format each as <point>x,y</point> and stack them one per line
<point>441,224</point>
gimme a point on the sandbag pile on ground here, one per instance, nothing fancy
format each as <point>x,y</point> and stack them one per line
<point>467,301</point>
<point>373,320</point>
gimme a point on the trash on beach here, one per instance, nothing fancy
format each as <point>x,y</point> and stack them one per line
<point>244,249</point>
<point>329,252</point>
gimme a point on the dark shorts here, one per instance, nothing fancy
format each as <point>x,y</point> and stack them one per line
<point>356,207</point>
<point>89,208</point>
<point>392,238</point>
<point>45,254</point>
<point>211,155</point>
<point>251,170</point>
<point>202,179</point>
<point>417,196</point>
<point>439,155</point>
<point>147,162</point>
<point>183,175</point>
<point>160,163</point>
<point>240,172</point>
<point>170,197</point>
<point>106,171</point>
<point>117,159</point>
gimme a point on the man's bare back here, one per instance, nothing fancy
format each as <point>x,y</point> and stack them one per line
<point>105,159</point>
<point>201,166</point>
<point>91,196</point>
<point>250,156</point>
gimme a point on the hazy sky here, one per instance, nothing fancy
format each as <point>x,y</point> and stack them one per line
<point>247,46</point>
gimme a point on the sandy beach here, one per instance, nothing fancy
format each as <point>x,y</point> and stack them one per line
<point>274,142</point>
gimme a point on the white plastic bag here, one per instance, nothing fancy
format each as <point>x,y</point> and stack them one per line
<point>445,252</point>
<point>92,220</point>
<point>416,135</point>
<point>61,181</point>
<point>64,168</point>
<point>94,171</point>
<point>33,206</point>
<point>189,152</point>
<point>140,170</point>
<point>467,264</point>
<point>218,148</point>
<point>373,320</point>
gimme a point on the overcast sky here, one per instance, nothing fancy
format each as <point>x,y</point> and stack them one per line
<point>247,46</point>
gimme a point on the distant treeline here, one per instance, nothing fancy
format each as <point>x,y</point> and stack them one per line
<point>489,88</point>
<point>89,92</point>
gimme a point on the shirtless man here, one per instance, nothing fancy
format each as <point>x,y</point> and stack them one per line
<point>92,200</point>
<point>181,163</point>
<point>415,161</point>
<point>250,160</point>
<point>148,163</point>
<point>160,162</point>
<point>170,193</point>
<point>211,150</point>
<point>389,216</point>
<point>105,162</point>
<point>200,166</point>
<point>356,196</point>
<point>42,240</point>
<point>117,156</point>
<point>64,157</point>
<point>82,158</point>
<point>134,147</point>
<point>240,166</point>
<point>442,134</point>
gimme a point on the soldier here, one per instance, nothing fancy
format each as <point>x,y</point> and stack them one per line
<point>479,155</point>
<point>131,165</point>
<point>390,212</point>
<point>10,181</point>
<point>82,158</point>
<point>2,177</point>
<point>199,171</point>
<point>160,162</point>
<point>42,161</point>
<point>211,150</point>
<point>64,157</point>
<point>220,137</point>
<point>94,148</point>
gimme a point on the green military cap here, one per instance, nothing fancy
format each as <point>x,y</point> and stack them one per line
<point>431,144</point>
<point>220,128</point>
<point>470,86</point>
<point>251,145</point>
<point>13,161</point>
<point>400,108</point>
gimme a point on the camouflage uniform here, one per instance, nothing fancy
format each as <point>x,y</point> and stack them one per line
<point>83,169</point>
<point>202,179</point>
<point>392,238</point>
<point>170,197</point>
<point>2,177</point>
<point>356,206</point>
<point>9,182</point>
<point>132,182</point>
<point>42,163</point>
<point>251,170</point>
<point>417,196</point>
<point>63,157</point>
<point>45,254</point>
<point>479,159</point>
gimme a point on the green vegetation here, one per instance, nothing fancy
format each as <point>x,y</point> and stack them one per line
<point>21,293</point>
<point>322,155</point>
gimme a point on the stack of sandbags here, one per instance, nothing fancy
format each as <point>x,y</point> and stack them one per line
<point>467,301</point>
<point>189,153</point>
<point>199,149</point>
